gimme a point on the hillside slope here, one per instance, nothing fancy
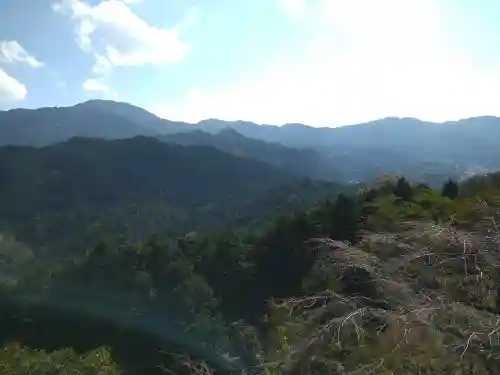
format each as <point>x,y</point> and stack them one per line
<point>73,192</point>
<point>301,162</point>
<point>396,279</point>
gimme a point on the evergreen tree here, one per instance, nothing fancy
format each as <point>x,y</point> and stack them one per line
<point>450,189</point>
<point>346,219</point>
<point>403,189</point>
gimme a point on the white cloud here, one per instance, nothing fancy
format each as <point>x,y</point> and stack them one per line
<point>128,39</point>
<point>12,52</point>
<point>293,8</point>
<point>369,59</point>
<point>95,85</point>
<point>10,88</point>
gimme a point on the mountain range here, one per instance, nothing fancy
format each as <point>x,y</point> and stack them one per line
<point>421,150</point>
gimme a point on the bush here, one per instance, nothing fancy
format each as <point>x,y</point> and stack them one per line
<point>19,360</point>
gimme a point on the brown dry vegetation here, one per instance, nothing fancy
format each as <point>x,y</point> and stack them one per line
<point>426,302</point>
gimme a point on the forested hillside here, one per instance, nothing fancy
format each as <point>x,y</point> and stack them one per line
<point>301,162</point>
<point>70,195</point>
<point>396,278</point>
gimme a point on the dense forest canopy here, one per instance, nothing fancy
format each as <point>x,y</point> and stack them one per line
<point>73,193</point>
<point>371,279</point>
<point>133,246</point>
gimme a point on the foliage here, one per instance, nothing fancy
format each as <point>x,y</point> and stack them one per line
<point>395,279</point>
<point>71,195</point>
<point>480,184</point>
<point>450,189</point>
<point>19,360</point>
<point>403,189</point>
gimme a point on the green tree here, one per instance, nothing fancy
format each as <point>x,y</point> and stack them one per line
<point>450,189</point>
<point>18,360</point>
<point>403,189</point>
<point>346,219</point>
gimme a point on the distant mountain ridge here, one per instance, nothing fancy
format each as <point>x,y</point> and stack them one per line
<point>387,131</point>
<point>422,150</point>
<point>95,118</point>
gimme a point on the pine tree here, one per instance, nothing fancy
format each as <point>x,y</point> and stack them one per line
<point>403,189</point>
<point>345,218</point>
<point>450,189</point>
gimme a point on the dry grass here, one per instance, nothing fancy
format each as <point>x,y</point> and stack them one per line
<point>439,288</point>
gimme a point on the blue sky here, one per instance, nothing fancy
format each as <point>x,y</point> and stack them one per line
<point>320,62</point>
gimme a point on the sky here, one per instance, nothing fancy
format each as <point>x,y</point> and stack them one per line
<point>318,62</point>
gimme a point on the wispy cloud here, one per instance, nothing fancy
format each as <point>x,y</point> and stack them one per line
<point>118,37</point>
<point>12,52</point>
<point>128,40</point>
<point>102,65</point>
<point>10,88</point>
<point>95,85</point>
